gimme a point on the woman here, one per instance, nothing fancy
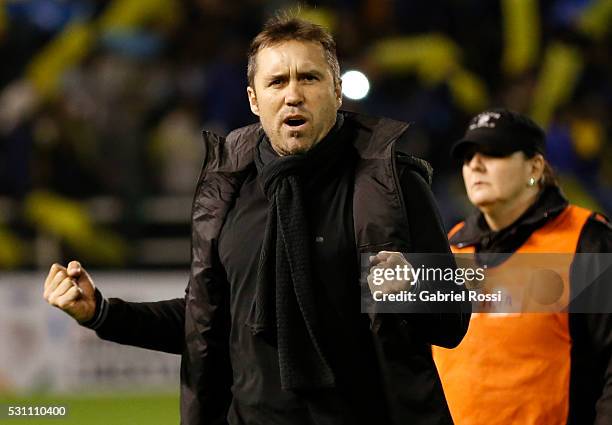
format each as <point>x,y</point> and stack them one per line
<point>525,368</point>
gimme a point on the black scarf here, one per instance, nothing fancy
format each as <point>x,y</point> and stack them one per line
<point>284,297</point>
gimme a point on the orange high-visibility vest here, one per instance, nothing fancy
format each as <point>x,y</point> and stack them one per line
<point>515,368</point>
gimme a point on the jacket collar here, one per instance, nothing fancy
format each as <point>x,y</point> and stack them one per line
<point>550,202</point>
<point>236,152</point>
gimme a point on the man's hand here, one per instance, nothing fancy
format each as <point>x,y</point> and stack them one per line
<point>389,260</point>
<point>71,290</point>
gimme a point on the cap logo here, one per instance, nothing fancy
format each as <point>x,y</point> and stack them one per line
<point>486,119</point>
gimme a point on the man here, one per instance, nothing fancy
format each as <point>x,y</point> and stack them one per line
<point>270,330</point>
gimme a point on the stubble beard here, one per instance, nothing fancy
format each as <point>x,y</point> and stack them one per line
<point>285,147</point>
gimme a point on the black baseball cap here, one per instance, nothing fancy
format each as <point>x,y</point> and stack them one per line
<point>501,132</point>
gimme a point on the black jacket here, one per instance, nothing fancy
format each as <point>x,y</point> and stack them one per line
<point>197,327</point>
<point>590,398</point>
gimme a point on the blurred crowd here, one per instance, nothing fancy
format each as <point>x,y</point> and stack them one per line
<point>106,99</point>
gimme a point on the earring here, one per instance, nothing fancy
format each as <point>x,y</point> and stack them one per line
<point>532,182</point>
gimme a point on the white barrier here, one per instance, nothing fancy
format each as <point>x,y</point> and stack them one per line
<point>42,349</point>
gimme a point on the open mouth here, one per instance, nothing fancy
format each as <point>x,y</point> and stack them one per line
<point>295,122</point>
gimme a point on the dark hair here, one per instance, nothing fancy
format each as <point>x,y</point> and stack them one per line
<point>286,28</point>
<point>549,177</point>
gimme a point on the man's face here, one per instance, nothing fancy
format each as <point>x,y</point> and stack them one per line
<point>294,95</point>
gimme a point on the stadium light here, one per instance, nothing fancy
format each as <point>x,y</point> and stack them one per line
<point>355,85</point>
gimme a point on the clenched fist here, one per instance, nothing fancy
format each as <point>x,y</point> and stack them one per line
<point>388,273</point>
<point>71,290</point>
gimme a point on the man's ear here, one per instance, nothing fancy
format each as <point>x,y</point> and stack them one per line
<point>253,100</point>
<point>338,92</point>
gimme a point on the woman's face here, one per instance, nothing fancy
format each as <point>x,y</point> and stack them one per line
<point>492,181</point>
